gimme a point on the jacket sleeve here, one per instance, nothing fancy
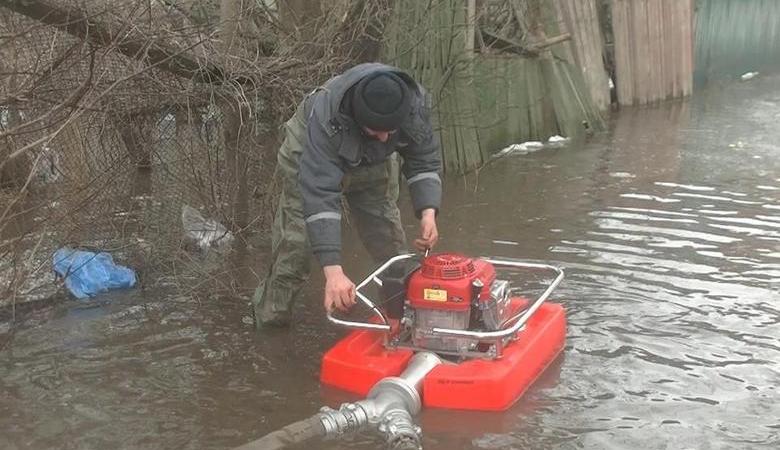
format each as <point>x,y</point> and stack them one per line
<point>422,163</point>
<point>319,176</point>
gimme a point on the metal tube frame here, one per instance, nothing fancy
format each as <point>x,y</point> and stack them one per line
<point>517,321</point>
<point>385,325</point>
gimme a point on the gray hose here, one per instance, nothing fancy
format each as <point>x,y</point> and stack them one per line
<point>292,434</point>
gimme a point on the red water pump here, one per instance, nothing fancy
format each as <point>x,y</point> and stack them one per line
<point>456,306</point>
<point>455,292</point>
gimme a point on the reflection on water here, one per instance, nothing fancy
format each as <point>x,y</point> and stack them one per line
<point>668,229</point>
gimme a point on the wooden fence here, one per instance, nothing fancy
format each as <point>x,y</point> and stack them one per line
<point>580,18</point>
<point>653,49</point>
<point>486,101</point>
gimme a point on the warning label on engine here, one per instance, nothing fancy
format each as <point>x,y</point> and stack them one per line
<point>435,295</point>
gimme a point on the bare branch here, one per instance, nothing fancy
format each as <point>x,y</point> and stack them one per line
<point>131,43</point>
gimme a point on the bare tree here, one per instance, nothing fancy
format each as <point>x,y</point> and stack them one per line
<point>194,90</point>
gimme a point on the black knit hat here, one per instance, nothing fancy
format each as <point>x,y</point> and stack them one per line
<point>381,101</point>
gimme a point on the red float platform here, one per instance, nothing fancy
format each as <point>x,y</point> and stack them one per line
<point>360,360</point>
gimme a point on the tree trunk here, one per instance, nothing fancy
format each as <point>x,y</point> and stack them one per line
<point>132,130</point>
<point>236,127</point>
<point>13,173</point>
<point>362,30</point>
<point>131,43</point>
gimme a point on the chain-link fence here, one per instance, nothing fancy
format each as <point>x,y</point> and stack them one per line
<point>102,151</point>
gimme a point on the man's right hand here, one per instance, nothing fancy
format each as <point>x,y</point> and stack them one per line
<point>339,290</point>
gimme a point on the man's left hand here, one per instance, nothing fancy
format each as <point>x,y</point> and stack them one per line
<point>429,234</point>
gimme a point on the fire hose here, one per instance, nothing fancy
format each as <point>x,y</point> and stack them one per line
<point>389,407</point>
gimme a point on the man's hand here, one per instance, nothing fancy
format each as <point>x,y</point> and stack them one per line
<point>429,234</point>
<point>339,290</point>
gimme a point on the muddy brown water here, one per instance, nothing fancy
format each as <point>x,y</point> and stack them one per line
<point>668,228</point>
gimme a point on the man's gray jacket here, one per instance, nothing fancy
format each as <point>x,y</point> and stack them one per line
<point>335,144</point>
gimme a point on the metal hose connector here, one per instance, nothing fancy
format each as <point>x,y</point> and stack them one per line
<point>390,406</point>
<point>400,432</point>
<point>350,417</point>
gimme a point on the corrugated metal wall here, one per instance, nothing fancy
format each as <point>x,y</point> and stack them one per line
<point>735,37</point>
<point>653,49</point>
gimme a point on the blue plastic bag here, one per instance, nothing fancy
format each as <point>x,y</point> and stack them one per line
<point>88,274</point>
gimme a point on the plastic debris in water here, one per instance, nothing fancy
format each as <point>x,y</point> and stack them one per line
<point>530,146</point>
<point>525,147</point>
<point>748,76</point>
<point>87,273</point>
<point>557,139</point>
<point>205,232</point>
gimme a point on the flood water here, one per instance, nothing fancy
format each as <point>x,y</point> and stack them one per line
<point>668,228</point>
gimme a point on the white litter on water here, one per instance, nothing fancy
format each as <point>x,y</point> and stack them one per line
<point>531,146</point>
<point>524,148</point>
<point>557,138</point>
<point>622,175</point>
<point>748,76</point>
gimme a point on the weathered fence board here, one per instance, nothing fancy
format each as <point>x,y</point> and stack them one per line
<point>580,19</point>
<point>653,49</point>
